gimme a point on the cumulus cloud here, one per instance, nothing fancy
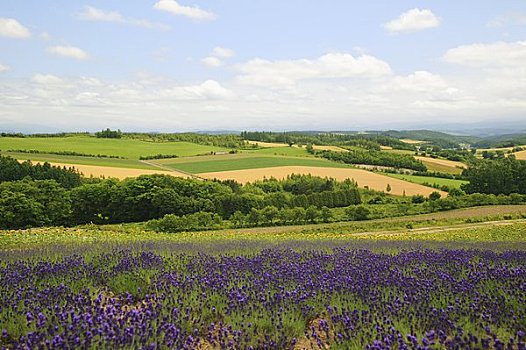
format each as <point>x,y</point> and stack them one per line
<point>498,54</point>
<point>195,13</point>
<point>68,52</point>
<point>46,79</point>
<point>91,13</point>
<point>212,61</point>
<point>412,21</point>
<point>216,59</point>
<point>330,66</point>
<point>223,52</point>
<point>208,90</point>
<point>11,28</point>
<point>4,68</point>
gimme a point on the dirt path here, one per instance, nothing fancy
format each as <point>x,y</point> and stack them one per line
<point>165,168</point>
<point>434,229</point>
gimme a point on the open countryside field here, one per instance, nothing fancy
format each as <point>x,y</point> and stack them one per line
<point>254,162</point>
<point>362,177</point>
<point>452,183</point>
<point>115,172</point>
<point>127,148</point>
<point>489,217</point>
<point>520,155</point>
<point>442,165</point>
<point>412,142</point>
<point>78,160</point>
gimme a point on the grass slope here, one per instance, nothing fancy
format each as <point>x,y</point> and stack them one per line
<point>254,162</point>
<point>430,180</point>
<point>128,148</point>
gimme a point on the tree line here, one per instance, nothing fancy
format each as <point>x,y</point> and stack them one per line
<point>371,157</point>
<point>42,195</point>
<point>498,176</point>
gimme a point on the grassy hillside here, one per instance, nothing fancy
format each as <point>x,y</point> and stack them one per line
<point>253,162</point>
<point>429,180</point>
<point>127,148</point>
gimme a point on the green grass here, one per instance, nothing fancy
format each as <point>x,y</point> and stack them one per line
<point>282,151</point>
<point>75,160</point>
<point>240,163</point>
<point>430,180</point>
<point>128,148</point>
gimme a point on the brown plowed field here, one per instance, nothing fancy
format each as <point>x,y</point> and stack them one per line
<point>362,177</point>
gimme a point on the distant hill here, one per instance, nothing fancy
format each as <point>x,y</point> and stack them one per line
<point>509,140</point>
<point>437,138</point>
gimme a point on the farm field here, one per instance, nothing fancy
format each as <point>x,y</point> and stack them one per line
<point>78,160</point>
<point>452,183</point>
<point>115,172</point>
<point>362,177</point>
<point>128,148</point>
<point>254,162</point>
<point>412,142</point>
<point>280,151</point>
<point>442,165</point>
<point>489,218</point>
<point>520,155</point>
<point>198,290</point>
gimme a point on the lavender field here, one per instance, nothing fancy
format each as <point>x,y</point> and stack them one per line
<point>310,295</point>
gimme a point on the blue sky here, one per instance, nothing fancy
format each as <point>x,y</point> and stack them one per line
<point>171,65</point>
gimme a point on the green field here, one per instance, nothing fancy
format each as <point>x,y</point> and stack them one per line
<point>77,160</point>
<point>127,148</point>
<point>282,151</point>
<point>240,163</point>
<point>429,180</point>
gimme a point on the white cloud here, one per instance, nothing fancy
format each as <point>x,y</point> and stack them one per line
<point>223,52</point>
<point>219,54</point>
<point>212,61</point>
<point>330,66</point>
<point>512,18</point>
<point>499,54</point>
<point>91,13</point>
<point>46,79</point>
<point>419,81</point>
<point>209,90</point>
<point>412,21</point>
<point>11,28</point>
<point>4,68</point>
<point>175,8</point>
<point>69,52</point>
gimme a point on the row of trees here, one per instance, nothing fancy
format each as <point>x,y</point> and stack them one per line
<point>370,157</point>
<point>499,176</point>
<point>109,134</point>
<point>12,170</point>
<point>266,216</point>
<point>368,141</point>
<point>221,140</point>
<point>32,202</point>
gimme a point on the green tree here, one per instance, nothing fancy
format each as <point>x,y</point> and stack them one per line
<point>434,196</point>
<point>311,214</point>
<point>357,213</point>
<point>326,214</point>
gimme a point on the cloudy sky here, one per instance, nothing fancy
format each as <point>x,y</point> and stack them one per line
<point>179,65</point>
